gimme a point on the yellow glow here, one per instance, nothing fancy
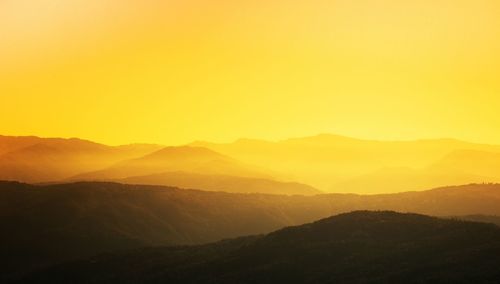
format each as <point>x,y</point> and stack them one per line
<point>121,71</point>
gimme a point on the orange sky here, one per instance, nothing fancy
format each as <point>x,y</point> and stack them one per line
<point>120,71</point>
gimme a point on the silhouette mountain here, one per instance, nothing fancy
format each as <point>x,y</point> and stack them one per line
<point>38,160</point>
<point>33,159</point>
<point>45,225</point>
<point>170,159</point>
<point>225,183</point>
<point>358,247</point>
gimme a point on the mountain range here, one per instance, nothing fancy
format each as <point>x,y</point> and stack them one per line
<point>159,213</point>
<point>310,165</point>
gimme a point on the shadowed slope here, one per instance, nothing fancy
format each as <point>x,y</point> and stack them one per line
<point>43,225</point>
<point>359,247</point>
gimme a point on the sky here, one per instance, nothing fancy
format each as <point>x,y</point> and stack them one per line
<point>175,71</point>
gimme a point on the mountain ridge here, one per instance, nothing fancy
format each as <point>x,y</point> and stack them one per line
<point>227,183</point>
<point>328,162</point>
<point>37,159</point>
<point>175,158</point>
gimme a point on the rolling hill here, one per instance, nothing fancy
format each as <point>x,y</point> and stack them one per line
<point>358,247</point>
<point>44,225</point>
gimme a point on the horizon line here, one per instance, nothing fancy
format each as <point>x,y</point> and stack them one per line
<point>325,134</point>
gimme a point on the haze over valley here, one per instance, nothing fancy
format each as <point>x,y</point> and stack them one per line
<point>323,163</point>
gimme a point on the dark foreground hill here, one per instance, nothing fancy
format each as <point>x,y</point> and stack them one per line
<point>45,225</point>
<point>358,247</point>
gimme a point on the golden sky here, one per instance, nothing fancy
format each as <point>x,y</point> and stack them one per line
<point>173,71</point>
